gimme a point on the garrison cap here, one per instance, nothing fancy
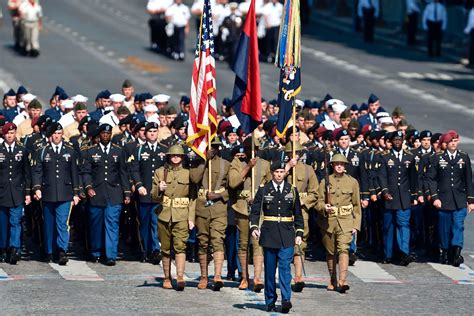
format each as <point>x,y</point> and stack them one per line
<point>58,91</point>
<point>10,93</point>
<point>372,98</point>
<point>363,107</point>
<point>63,96</point>
<point>127,84</point>
<point>21,90</point>
<point>35,104</point>
<point>106,94</point>
<point>80,106</point>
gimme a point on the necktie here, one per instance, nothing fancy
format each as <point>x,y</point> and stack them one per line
<point>57,150</point>
<point>10,149</point>
<point>436,12</point>
<point>153,148</point>
<point>344,153</point>
<point>106,150</point>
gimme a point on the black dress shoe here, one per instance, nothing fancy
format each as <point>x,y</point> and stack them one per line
<point>298,287</point>
<point>285,307</point>
<point>457,258</point>
<point>387,260</point>
<point>144,258</point>
<point>14,256</point>
<point>110,262</point>
<point>443,256</point>
<point>48,258</point>
<point>95,259</point>
<point>155,257</point>
<point>271,308</point>
<point>63,259</point>
<point>406,260</point>
<point>352,259</point>
<point>3,255</point>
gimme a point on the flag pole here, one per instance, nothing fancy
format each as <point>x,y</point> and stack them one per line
<point>252,195</point>
<point>294,141</point>
<point>209,160</point>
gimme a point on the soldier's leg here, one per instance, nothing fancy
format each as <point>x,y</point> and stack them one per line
<point>328,243</point>
<point>457,241</point>
<point>4,213</point>
<point>164,231</point>
<point>388,230</point>
<point>343,242</point>
<point>270,257</point>
<point>231,244</point>
<point>49,210</point>
<point>96,230</point>
<point>285,256</point>
<point>257,266</point>
<point>144,217</point>
<point>15,233</point>
<point>242,223</point>
<point>217,229</point>
<point>181,41</point>
<point>26,30</point>
<point>299,256</point>
<point>154,243</point>
<point>35,46</point>
<point>444,233</point>
<point>180,235</point>
<point>203,236</point>
<point>112,217</point>
<point>403,230</point>
<point>63,211</point>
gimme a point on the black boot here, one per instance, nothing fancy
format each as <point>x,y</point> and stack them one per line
<point>14,256</point>
<point>189,252</point>
<point>443,256</point>
<point>62,258</point>
<point>457,258</point>
<point>3,255</point>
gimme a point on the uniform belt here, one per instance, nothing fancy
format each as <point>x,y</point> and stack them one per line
<point>176,202</point>
<point>202,193</point>
<point>303,195</point>
<point>244,194</point>
<point>342,210</point>
<point>278,218</point>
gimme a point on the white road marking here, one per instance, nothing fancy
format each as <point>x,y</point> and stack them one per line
<point>76,271</point>
<point>371,272</point>
<point>101,48</point>
<point>4,276</point>
<point>110,53</point>
<point>411,75</point>
<point>461,275</point>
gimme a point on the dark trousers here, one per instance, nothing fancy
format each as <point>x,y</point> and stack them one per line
<point>471,49</point>
<point>277,258</point>
<point>435,36</point>
<point>177,40</point>
<point>231,245</point>
<point>158,36</point>
<point>451,228</point>
<point>271,41</point>
<point>369,24</point>
<point>412,28</point>
<point>148,227</point>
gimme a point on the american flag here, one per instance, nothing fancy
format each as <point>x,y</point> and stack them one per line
<point>203,109</point>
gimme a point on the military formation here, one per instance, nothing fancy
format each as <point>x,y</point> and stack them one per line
<point>343,183</point>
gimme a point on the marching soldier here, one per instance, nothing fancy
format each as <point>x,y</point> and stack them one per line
<point>435,20</point>
<point>340,218</point>
<point>55,181</point>
<point>240,186</point>
<point>369,11</point>
<point>106,183</point>
<point>15,180</point>
<point>31,15</point>
<point>307,184</point>
<point>146,159</point>
<point>211,212</point>
<point>450,183</point>
<point>277,206</point>
<point>175,213</point>
<point>399,188</point>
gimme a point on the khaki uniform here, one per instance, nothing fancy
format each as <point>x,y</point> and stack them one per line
<point>163,133</point>
<point>345,199</point>
<point>175,209</point>
<point>71,130</point>
<point>240,195</point>
<point>308,188</point>
<point>24,129</point>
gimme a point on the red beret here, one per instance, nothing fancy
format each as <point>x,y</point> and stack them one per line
<point>320,131</point>
<point>34,121</point>
<point>223,126</point>
<point>8,127</point>
<point>449,136</point>
<point>367,128</point>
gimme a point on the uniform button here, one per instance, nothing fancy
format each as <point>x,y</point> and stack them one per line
<point>452,179</point>
<point>106,161</point>
<point>10,179</point>
<point>398,183</point>
<point>105,179</point>
<point>57,171</point>
<point>105,167</point>
<point>11,167</point>
<point>9,173</point>
<point>105,172</point>
<point>153,159</point>
<point>452,185</point>
<point>57,176</point>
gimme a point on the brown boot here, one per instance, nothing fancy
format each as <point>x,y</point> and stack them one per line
<point>166,261</point>
<point>332,273</point>
<point>299,284</point>
<point>343,267</point>
<point>180,264</point>
<point>218,262</point>
<point>257,274</point>
<point>202,285</point>
<point>244,283</point>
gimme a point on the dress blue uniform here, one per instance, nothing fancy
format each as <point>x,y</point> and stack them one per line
<point>280,211</point>
<point>55,174</point>
<point>147,158</point>
<point>14,184</point>
<point>398,178</point>
<point>449,177</point>
<point>104,171</point>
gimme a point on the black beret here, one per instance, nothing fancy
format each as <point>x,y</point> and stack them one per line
<point>425,133</point>
<point>105,128</point>
<point>151,125</point>
<point>53,128</point>
<point>277,164</point>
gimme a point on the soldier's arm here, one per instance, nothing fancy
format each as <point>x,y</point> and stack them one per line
<point>192,211</point>
<point>134,169</point>
<point>27,173</point>
<point>254,216</point>
<point>75,172</point>
<point>223,191</point>
<point>155,187</point>
<point>87,169</point>
<point>197,173</point>
<point>364,178</point>
<point>321,204</point>
<point>382,176</point>
<point>468,179</point>
<point>235,176</point>
<point>414,177</point>
<point>36,170</point>
<point>298,215</point>
<point>431,177</point>
<point>356,205</point>
<point>124,180</point>
<point>313,189</point>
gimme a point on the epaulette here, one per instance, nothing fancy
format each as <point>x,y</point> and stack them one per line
<point>116,145</point>
<point>84,147</point>
<point>385,152</point>
<point>440,153</point>
<point>462,152</point>
<point>408,152</point>
<point>68,144</point>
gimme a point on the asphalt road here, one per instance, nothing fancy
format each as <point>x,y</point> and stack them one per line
<point>91,45</point>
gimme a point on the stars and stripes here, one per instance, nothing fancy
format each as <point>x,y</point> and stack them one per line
<point>203,108</point>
